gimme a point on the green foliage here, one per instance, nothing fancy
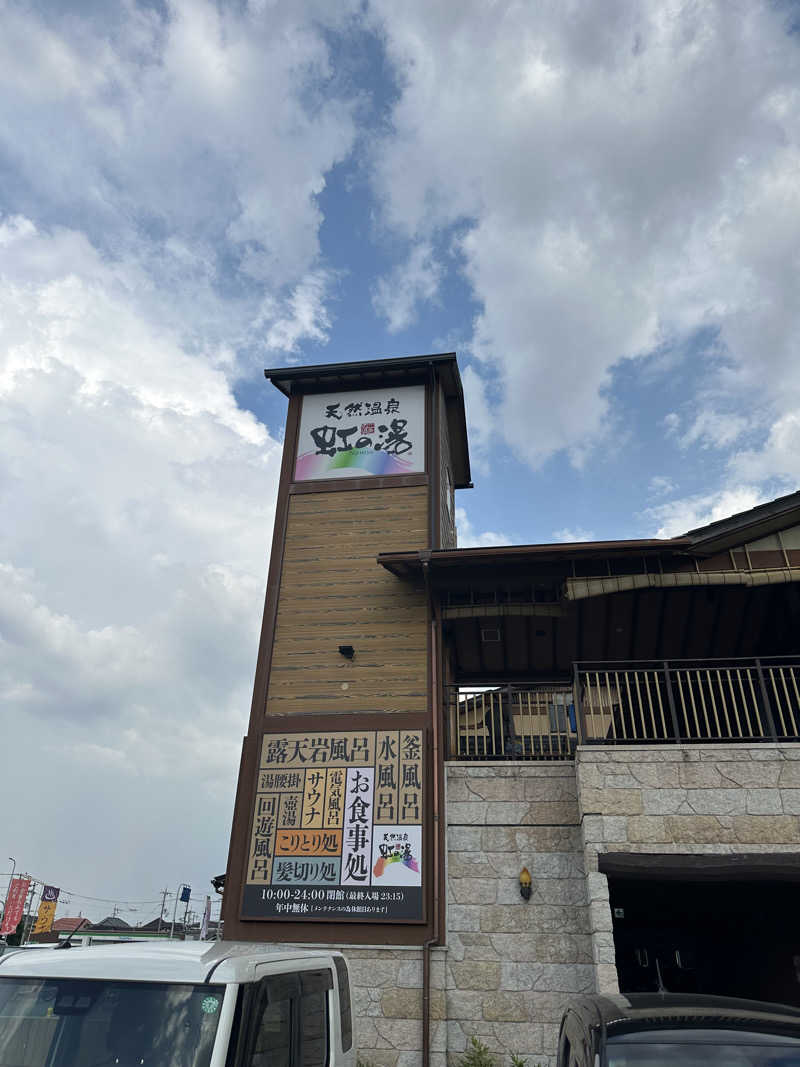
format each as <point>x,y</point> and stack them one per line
<point>477,1055</point>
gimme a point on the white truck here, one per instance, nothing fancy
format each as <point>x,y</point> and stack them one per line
<point>175,1004</point>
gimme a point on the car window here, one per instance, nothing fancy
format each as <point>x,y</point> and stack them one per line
<point>291,1028</point>
<point>676,1054</point>
<point>313,1024</point>
<point>703,1047</point>
<point>76,1022</point>
<point>273,1039</point>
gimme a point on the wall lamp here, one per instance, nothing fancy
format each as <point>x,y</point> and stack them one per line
<point>347,651</point>
<point>525,888</point>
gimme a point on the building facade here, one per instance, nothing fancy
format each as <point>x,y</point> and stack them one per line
<point>431,725</point>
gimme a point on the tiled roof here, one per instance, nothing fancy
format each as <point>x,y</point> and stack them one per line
<point>69,924</point>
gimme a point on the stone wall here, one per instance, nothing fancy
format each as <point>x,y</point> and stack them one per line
<point>387,1005</point>
<point>680,799</point>
<point>511,964</point>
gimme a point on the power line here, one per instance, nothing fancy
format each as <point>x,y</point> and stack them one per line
<point>122,904</point>
<point>84,896</point>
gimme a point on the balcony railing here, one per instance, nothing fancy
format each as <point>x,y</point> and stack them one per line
<point>509,722</point>
<point>679,701</point>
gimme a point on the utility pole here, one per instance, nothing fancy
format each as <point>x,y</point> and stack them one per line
<point>183,887</point>
<point>10,880</point>
<point>174,912</point>
<point>27,924</point>
<point>161,913</point>
<point>185,913</point>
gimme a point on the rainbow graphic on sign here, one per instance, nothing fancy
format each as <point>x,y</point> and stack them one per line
<point>311,465</point>
<point>395,857</point>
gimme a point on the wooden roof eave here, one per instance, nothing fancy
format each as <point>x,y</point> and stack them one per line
<point>405,564</point>
<point>584,588</point>
<point>747,526</point>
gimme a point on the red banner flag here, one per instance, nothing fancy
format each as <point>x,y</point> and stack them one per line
<point>15,905</point>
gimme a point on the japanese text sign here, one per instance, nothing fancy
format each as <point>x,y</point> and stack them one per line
<point>47,909</point>
<point>362,433</point>
<point>15,905</point>
<point>337,827</point>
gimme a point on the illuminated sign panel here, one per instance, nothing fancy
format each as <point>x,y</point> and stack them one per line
<point>337,827</point>
<point>362,433</point>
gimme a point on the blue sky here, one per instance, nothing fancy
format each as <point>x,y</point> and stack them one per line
<point>596,205</point>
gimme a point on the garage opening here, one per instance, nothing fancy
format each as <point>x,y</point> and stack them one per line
<point>729,934</point>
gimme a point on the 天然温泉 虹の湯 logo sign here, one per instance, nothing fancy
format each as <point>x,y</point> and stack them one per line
<point>361,433</point>
<point>396,855</point>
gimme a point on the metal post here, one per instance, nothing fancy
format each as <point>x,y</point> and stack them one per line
<point>507,723</point>
<point>27,925</point>
<point>765,697</point>
<point>174,913</point>
<point>671,698</point>
<point>10,880</point>
<point>577,700</point>
<point>161,913</point>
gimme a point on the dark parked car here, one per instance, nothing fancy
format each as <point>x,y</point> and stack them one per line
<point>666,1029</point>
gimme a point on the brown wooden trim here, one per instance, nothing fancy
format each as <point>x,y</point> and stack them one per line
<point>765,866</point>
<point>239,840</point>
<point>261,682</point>
<point>337,485</point>
<point>437,711</point>
<point>430,390</point>
<point>436,462</point>
<point>338,377</point>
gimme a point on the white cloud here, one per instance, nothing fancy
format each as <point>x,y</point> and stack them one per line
<point>132,574</point>
<point>195,143</point>
<point>413,282</point>
<point>778,458</point>
<point>678,516</point>
<point>479,417</point>
<point>660,485</point>
<point>626,175</point>
<point>671,423</point>
<point>714,429</point>
<point>468,537</point>
<point>159,230</point>
<point>572,534</point>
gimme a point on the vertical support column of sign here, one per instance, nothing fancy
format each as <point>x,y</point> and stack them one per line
<point>325,588</point>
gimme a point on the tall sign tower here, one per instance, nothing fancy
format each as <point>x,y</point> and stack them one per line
<point>336,833</point>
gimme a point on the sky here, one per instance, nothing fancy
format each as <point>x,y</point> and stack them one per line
<point>596,205</point>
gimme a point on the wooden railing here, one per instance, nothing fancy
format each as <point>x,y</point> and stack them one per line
<point>654,702</point>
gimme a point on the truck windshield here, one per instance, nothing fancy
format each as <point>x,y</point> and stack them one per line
<point>76,1022</point>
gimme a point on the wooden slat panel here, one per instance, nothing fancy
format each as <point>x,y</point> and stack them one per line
<point>645,645</point>
<point>334,593</point>
<point>621,619</point>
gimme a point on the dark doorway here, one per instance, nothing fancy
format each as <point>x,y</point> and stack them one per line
<point>732,938</point>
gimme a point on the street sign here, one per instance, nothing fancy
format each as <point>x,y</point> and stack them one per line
<point>186,893</point>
